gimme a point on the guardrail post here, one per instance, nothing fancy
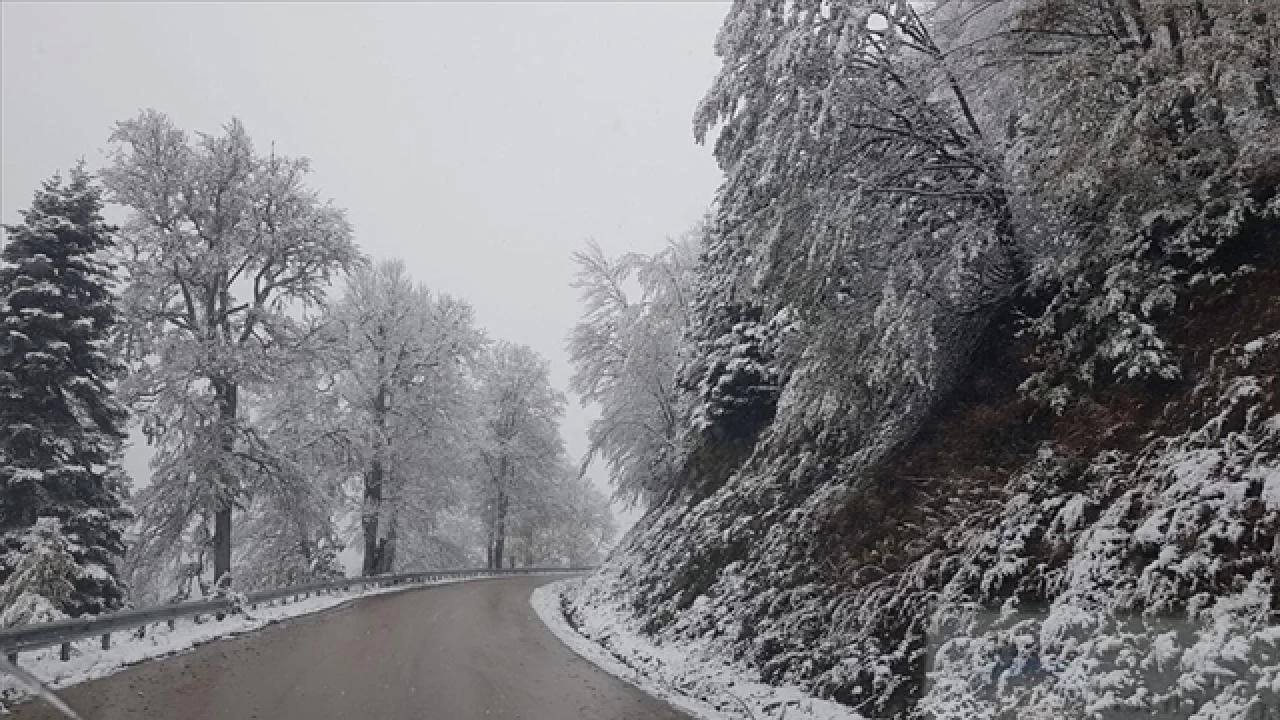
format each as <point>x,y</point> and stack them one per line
<point>65,653</point>
<point>106,641</point>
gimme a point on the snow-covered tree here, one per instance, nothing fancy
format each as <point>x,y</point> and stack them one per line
<point>625,354</point>
<point>566,521</point>
<point>292,525</point>
<point>519,447</point>
<point>223,247</point>
<point>61,428</point>
<point>399,355</point>
<point>865,209</point>
<point>837,122</point>
<point>1146,133</point>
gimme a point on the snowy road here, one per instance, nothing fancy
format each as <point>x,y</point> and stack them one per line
<point>471,650</point>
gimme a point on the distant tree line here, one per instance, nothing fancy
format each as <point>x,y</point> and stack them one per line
<point>297,395</point>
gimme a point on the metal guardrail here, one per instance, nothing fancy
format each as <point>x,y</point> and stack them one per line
<point>64,632</point>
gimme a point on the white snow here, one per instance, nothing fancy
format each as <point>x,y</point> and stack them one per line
<point>688,677</point>
<point>1270,486</point>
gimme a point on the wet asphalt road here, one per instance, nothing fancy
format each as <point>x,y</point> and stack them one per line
<point>471,650</point>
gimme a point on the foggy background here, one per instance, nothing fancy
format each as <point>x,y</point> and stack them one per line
<point>480,143</point>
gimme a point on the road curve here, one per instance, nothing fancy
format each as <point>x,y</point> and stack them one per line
<point>454,652</point>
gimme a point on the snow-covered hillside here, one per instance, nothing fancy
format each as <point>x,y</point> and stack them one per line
<point>1124,566</point>
<point>1016,438</point>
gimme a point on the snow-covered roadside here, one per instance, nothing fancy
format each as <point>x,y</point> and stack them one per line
<point>687,676</point>
<point>89,661</point>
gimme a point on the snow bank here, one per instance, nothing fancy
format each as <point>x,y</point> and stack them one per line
<point>688,676</point>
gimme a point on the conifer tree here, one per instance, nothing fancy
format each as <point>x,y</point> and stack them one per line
<point>60,426</point>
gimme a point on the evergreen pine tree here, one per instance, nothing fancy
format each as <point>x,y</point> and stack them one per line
<point>60,426</point>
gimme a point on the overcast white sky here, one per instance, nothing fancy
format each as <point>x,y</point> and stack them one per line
<point>480,142</point>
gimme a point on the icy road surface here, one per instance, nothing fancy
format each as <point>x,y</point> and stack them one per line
<point>471,650</point>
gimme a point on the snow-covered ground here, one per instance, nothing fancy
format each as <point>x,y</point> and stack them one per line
<point>89,661</point>
<point>687,676</point>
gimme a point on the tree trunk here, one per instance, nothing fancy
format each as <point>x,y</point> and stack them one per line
<point>226,394</point>
<point>387,554</point>
<point>1263,85</point>
<point>1138,16</point>
<point>373,487</point>
<point>222,546</point>
<point>528,546</point>
<point>498,517</point>
<point>491,523</point>
<point>369,518</point>
<point>499,531</point>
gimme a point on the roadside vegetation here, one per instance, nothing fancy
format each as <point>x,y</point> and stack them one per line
<point>975,394</point>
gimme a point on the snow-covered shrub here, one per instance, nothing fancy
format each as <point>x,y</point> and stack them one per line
<point>40,583</point>
<point>1157,160</point>
<point>735,382</point>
